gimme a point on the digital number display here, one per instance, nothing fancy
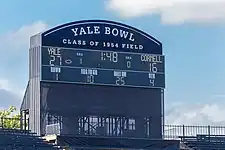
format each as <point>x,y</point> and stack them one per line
<point>102,67</point>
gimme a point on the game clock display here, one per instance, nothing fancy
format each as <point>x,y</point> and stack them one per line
<point>98,67</point>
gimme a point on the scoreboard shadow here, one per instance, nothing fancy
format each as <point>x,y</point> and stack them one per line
<point>70,99</point>
<point>141,108</point>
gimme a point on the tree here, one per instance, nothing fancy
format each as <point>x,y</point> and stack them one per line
<point>9,118</point>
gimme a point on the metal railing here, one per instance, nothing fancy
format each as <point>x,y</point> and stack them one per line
<point>174,131</point>
<point>170,131</point>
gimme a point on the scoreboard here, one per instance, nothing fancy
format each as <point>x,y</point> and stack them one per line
<point>96,68</point>
<point>102,67</point>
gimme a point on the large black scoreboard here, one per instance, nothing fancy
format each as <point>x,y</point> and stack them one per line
<point>99,67</point>
<point>97,77</point>
<point>102,53</point>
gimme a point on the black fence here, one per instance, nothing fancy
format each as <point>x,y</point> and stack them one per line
<point>170,131</point>
<point>174,131</point>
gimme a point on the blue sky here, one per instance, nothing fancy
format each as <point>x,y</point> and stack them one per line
<point>193,42</point>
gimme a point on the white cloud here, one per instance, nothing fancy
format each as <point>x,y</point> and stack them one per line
<point>14,45</point>
<point>172,11</point>
<point>196,118</point>
<point>19,39</point>
<point>9,87</point>
<point>196,114</point>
